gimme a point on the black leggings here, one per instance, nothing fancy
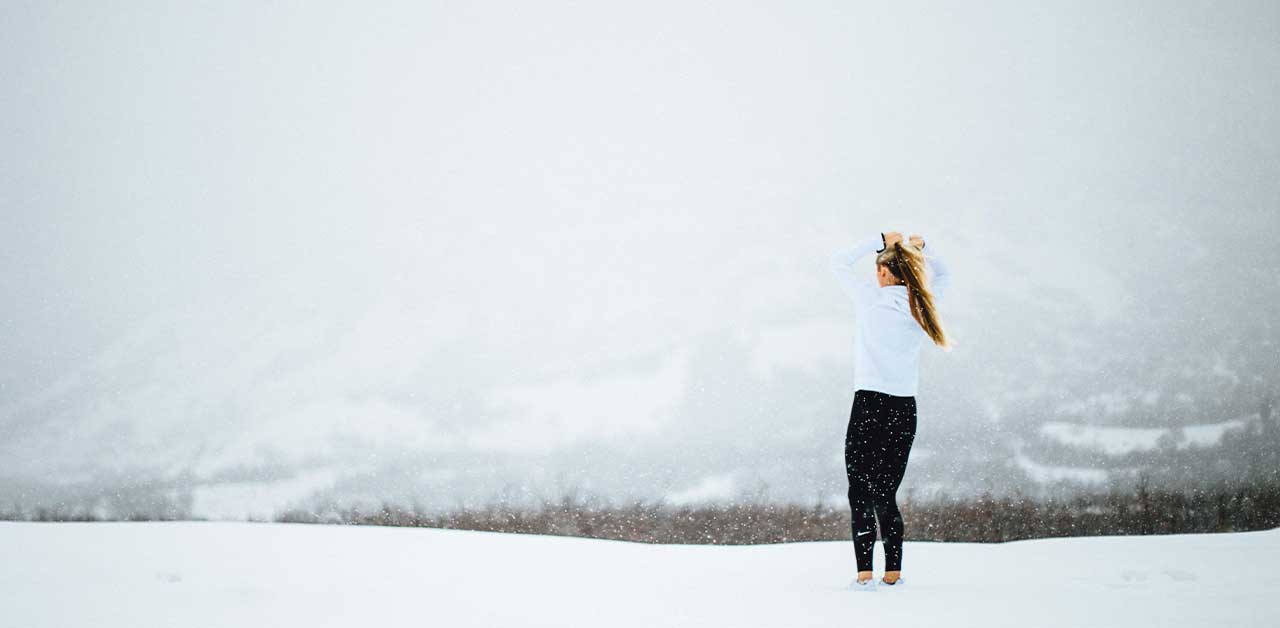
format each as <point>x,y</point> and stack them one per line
<point>876,446</point>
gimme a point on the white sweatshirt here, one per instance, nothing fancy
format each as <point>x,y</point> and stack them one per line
<point>886,342</point>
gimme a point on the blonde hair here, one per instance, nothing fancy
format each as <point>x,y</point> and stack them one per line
<point>906,262</point>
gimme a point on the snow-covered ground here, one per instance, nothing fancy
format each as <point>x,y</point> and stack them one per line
<point>1116,440</point>
<point>1050,473</point>
<point>244,574</point>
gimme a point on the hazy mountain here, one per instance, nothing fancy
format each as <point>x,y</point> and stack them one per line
<point>254,256</point>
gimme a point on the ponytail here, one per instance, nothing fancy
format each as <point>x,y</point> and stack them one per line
<point>906,262</point>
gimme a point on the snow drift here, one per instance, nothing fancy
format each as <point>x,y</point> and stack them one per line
<point>196,574</point>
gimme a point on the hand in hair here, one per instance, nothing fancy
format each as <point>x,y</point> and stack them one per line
<point>917,241</point>
<point>892,238</point>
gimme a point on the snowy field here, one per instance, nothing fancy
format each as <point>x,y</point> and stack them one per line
<point>1116,440</point>
<point>244,574</point>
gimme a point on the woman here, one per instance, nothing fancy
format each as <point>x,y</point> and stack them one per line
<point>893,316</point>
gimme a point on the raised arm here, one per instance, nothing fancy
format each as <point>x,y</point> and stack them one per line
<point>858,287</point>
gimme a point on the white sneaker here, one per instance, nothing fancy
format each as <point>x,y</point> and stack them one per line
<point>896,583</point>
<point>869,585</point>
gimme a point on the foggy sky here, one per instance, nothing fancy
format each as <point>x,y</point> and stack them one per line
<point>591,238</point>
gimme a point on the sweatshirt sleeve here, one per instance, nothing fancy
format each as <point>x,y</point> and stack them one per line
<point>939,272</point>
<point>859,288</point>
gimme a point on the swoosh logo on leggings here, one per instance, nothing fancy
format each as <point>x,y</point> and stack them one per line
<point>864,532</point>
